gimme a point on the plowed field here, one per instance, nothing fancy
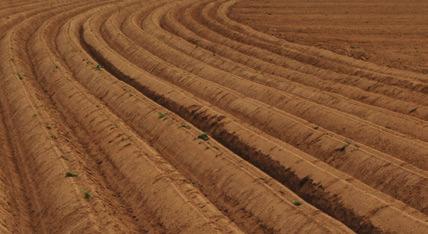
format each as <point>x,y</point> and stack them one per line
<point>192,116</point>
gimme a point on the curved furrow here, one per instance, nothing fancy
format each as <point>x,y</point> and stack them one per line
<point>14,208</point>
<point>175,205</point>
<point>9,9</point>
<point>57,201</point>
<point>168,97</point>
<point>223,81</point>
<point>20,13</point>
<point>412,85</point>
<point>128,116</point>
<point>147,111</point>
<point>216,170</point>
<point>224,14</point>
<point>376,115</point>
<point>356,129</point>
<point>363,71</point>
<point>170,23</point>
<point>195,18</point>
<point>107,202</point>
<point>334,149</point>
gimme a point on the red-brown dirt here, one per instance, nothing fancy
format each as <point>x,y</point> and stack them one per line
<point>213,116</point>
<point>391,33</point>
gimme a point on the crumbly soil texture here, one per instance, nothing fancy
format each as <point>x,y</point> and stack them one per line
<point>213,116</point>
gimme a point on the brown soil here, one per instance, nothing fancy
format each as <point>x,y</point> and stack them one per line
<point>392,33</point>
<point>197,117</point>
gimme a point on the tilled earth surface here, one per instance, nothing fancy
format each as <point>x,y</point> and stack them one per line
<point>213,116</point>
<point>392,33</point>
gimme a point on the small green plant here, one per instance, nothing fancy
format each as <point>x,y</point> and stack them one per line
<point>184,125</point>
<point>343,147</point>
<point>98,67</point>
<point>296,203</point>
<point>161,115</point>
<point>203,136</point>
<point>71,174</point>
<point>87,195</point>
